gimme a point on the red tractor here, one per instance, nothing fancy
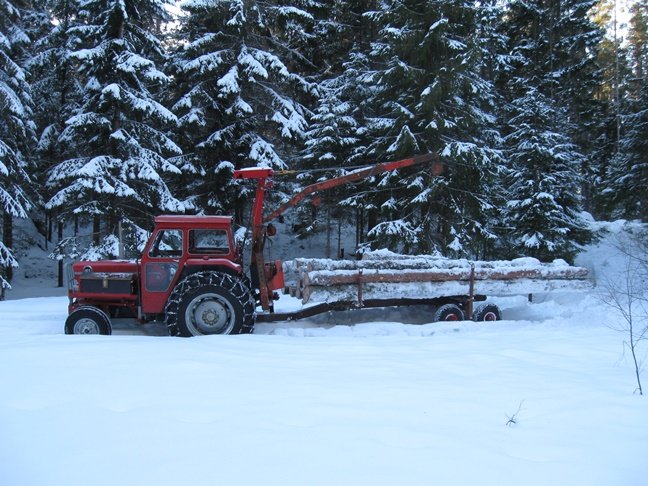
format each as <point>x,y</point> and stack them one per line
<point>190,275</point>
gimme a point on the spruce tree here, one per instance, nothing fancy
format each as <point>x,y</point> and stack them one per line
<point>558,41</point>
<point>430,94</point>
<point>117,150</point>
<point>330,142</point>
<point>240,92</point>
<point>576,74</point>
<point>543,210</point>
<point>544,173</point>
<point>56,85</point>
<point>335,138</point>
<point>16,132</point>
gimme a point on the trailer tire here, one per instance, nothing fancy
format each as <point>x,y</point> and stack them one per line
<point>88,320</point>
<point>449,313</point>
<point>487,312</point>
<point>208,303</point>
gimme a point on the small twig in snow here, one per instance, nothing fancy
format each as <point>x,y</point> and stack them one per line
<point>513,419</point>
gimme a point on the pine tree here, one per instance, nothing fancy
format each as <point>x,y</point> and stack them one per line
<point>16,132</point>
<point>430,95</point>
<point>638,44</point>
<point>116,160</point>
<point>241,87</point>
<point>628,171</point>
<point>612,94</point>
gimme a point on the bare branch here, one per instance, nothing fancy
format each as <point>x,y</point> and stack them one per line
<point>513,419</point>
<point>627,295</point>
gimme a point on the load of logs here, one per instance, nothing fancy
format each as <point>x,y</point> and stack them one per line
<point>386,275</point>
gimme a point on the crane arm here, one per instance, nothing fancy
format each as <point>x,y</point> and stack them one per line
<point>264,178</point>
<point>357,175</point>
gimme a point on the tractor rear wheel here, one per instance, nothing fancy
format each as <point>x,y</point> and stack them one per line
<point>210,303</point>
<point>449,313</point>
<point>88,320</point>
<point>487,312</point>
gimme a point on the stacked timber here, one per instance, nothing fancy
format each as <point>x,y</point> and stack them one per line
<point>386,275</point>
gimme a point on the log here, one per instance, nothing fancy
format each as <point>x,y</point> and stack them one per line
<point>383,274</point>
<point>430,290</point>
<point>406,262</point>
<point>330,277</point>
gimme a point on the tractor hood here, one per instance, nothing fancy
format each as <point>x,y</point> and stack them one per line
<point>106,266</point>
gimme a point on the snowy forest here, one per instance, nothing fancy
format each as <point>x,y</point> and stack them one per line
<point>114,111</point>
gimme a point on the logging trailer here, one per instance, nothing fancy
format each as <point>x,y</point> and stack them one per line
<point>191,275</point>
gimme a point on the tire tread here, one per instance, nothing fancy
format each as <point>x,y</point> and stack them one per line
<point>234,285</point>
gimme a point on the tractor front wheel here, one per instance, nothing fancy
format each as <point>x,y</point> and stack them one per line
<point>210,303</point>
<point>88,320</point>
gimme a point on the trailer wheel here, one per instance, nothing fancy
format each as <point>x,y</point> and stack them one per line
<point>88,320</point>
<point>449,313</point>
<point>210,303</point>
<point>487,312</point>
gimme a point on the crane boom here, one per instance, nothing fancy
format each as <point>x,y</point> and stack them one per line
<point>352,177</point>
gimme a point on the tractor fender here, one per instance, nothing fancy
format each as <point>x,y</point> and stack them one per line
<point>222,265</point>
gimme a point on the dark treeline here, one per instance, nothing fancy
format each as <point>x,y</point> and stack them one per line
<point>113,111</point>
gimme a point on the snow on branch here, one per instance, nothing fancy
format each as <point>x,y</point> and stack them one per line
<point>11,205</point>
<point>205,64</point>
<point>10,100</point>
<point>264,154</point>
<point>251,64</point>
<point>229,84</point>
<point>401,228</point>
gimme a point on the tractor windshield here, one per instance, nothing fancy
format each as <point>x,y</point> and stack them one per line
<point>209,241</point>
<point>168,243</point>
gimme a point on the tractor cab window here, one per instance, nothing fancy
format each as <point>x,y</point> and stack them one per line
<point>209,241</point>
<point>168,243</point>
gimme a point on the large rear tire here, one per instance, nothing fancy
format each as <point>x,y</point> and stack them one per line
<point>208,303</point>
<point>88,320</point>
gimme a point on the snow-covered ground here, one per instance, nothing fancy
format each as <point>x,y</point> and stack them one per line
<point>544,397</point>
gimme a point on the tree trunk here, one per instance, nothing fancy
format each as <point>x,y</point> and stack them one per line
<point>340,250</point>
<point>372,219</point>
<point>359,226</point>
<point>328,231</point>
<point>50,224</point>
<point>616,89</point>
<point>7,239</point>
<point>96,229</point>
<point>60,262</point>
